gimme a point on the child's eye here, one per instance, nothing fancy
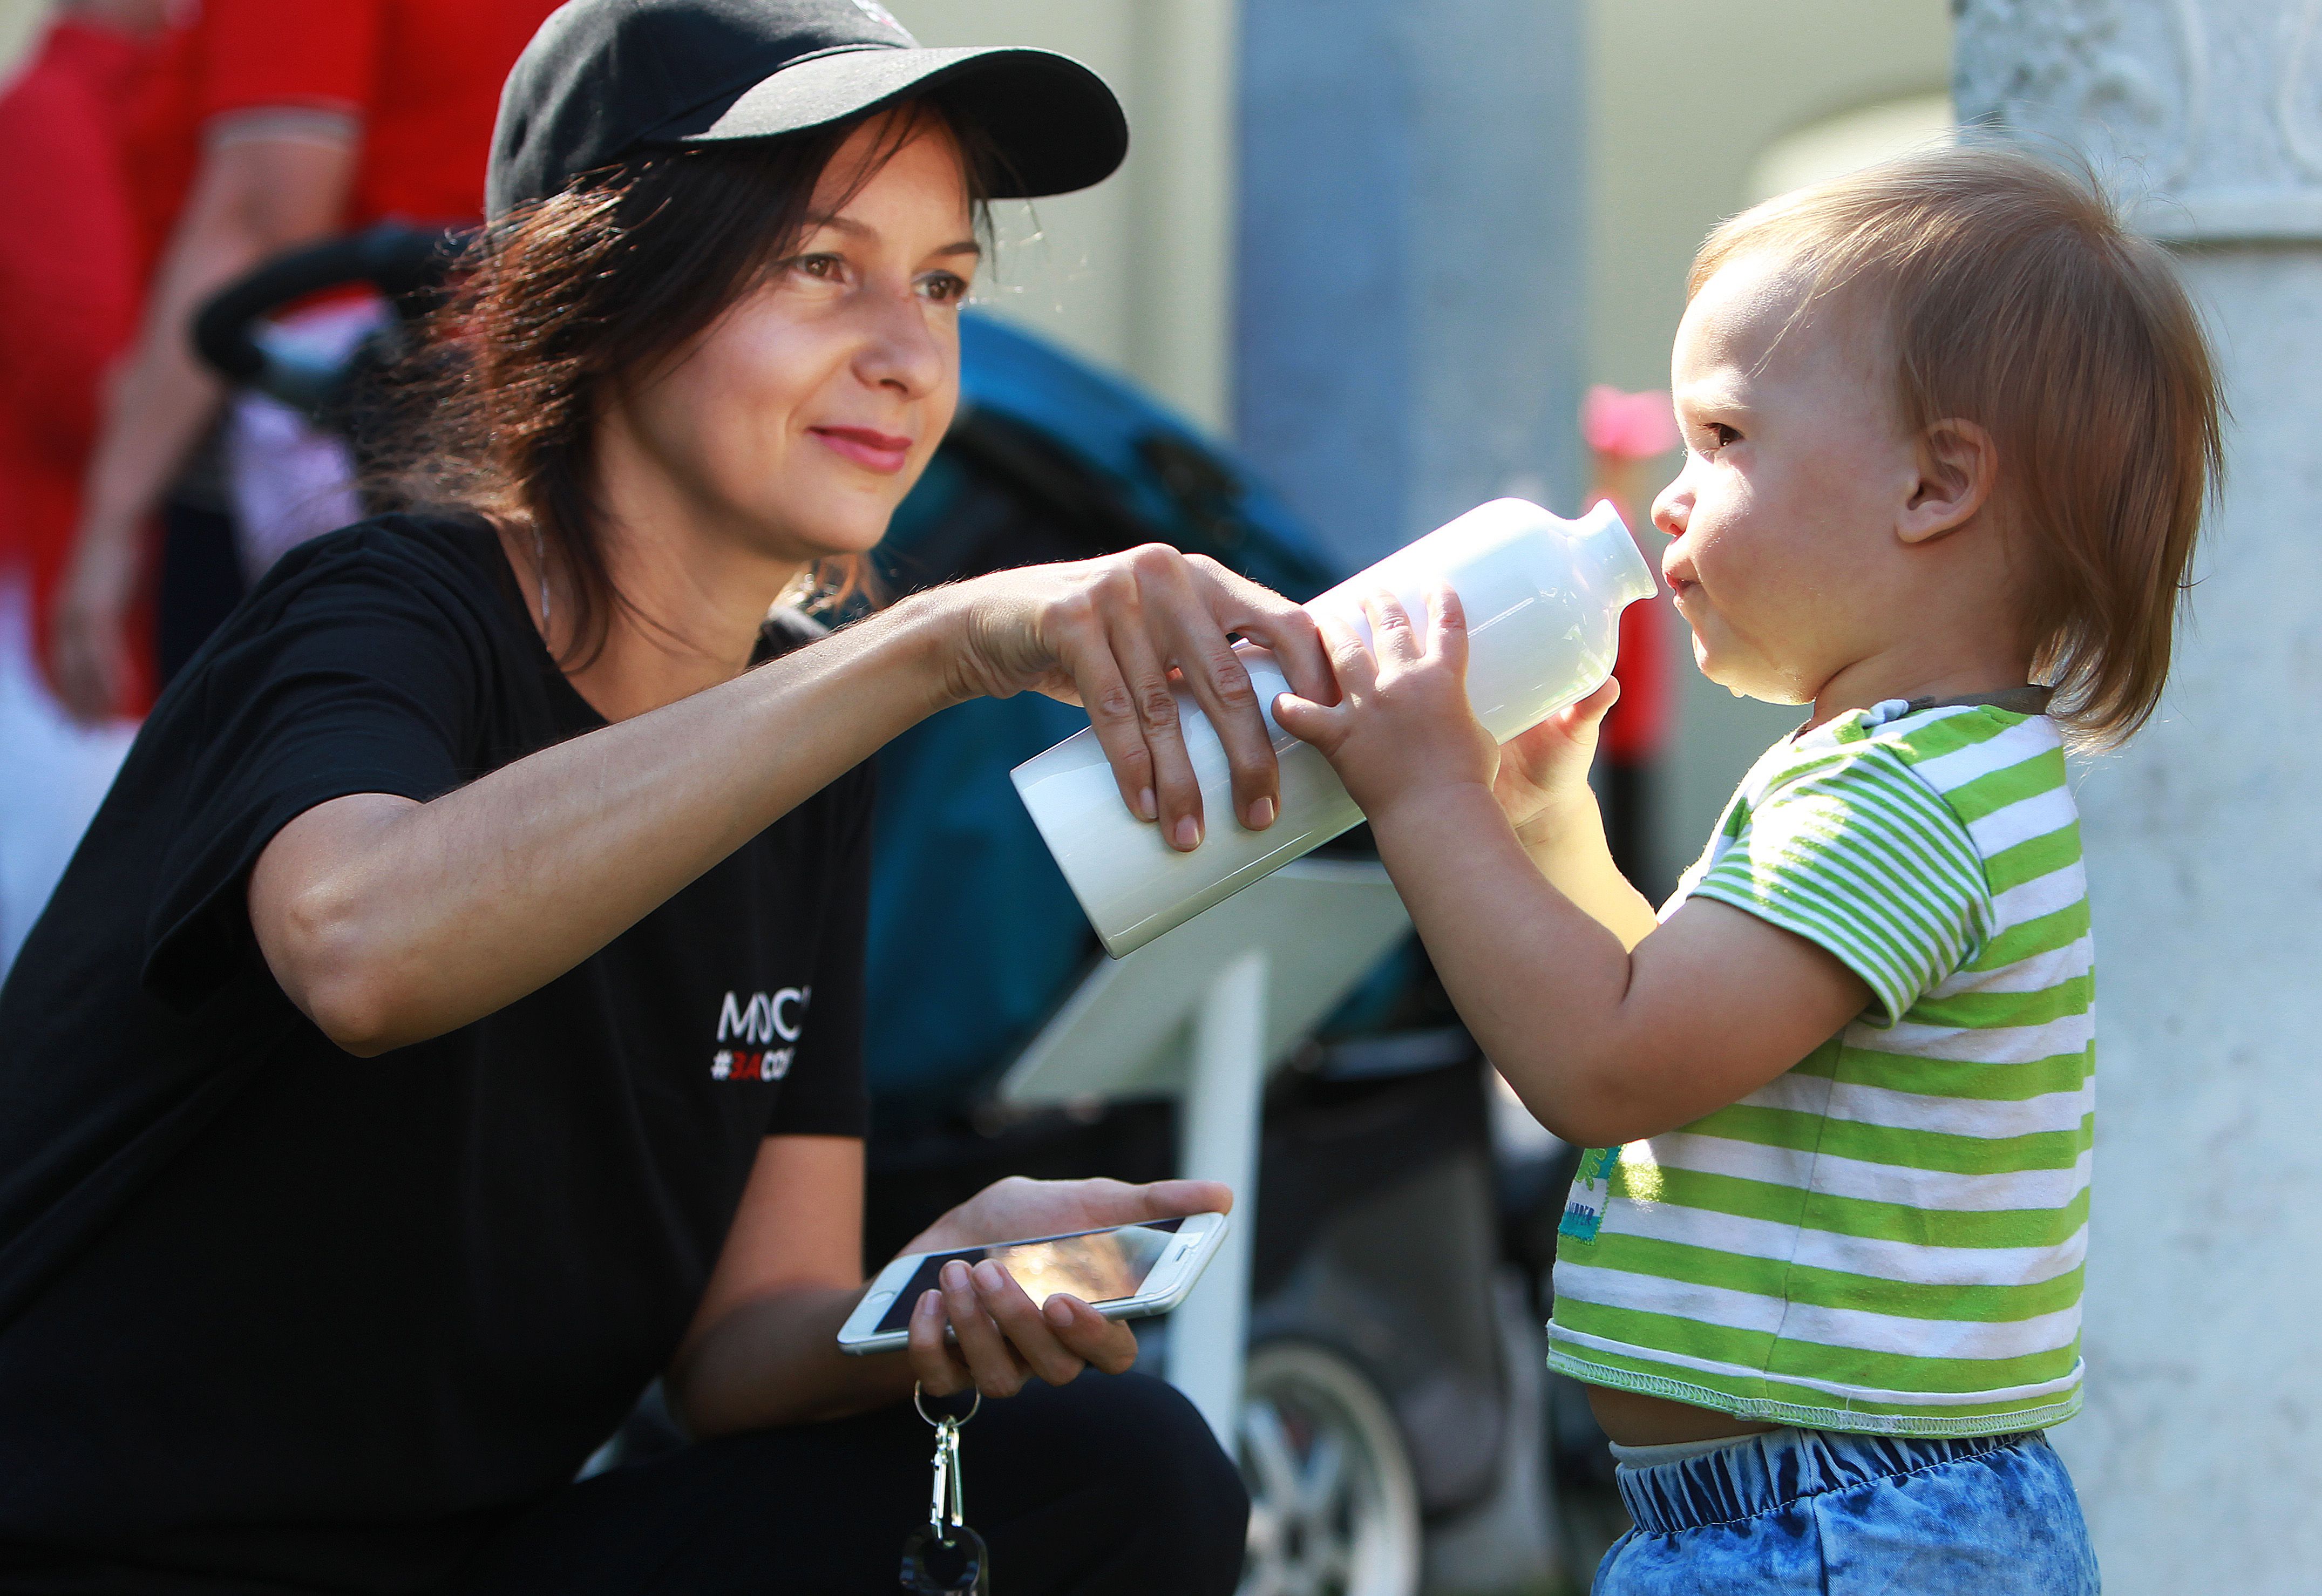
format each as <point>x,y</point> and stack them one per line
<point>1719,435</point>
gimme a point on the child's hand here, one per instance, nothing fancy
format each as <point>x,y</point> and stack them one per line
<point>1544,772</point>
<point>1402,726</point>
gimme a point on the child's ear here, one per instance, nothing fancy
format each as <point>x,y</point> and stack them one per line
<point>1958,466</point>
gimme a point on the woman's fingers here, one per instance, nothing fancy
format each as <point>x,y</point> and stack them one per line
<point>1029,1334</point>
<point>1089,1336</point>
<point>1219,682</point>
<point>1145,674</point>
<point>991,1362</point>
<point>938,1368</point>
<point>1084,653</point>
<point>1003,1336</point>
<point>1266,617</point>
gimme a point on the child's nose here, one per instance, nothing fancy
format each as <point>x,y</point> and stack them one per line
<point>1671,508</point>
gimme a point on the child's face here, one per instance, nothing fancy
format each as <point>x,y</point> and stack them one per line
<point>1785,559</point>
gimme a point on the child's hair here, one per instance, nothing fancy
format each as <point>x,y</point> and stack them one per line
<point>2017,300</point>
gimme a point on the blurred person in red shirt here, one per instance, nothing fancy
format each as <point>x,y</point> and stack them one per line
<point>276,122</point>
<point>68,273</point>
<point>67,305</point>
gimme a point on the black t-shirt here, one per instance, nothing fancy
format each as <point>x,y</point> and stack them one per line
<point>276,1317</point>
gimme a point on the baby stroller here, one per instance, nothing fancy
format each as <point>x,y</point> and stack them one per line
<point>1393,1289</point>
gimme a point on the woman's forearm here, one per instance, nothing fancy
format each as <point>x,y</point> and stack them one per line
<point>775,1361</point>
<point>389,921</point>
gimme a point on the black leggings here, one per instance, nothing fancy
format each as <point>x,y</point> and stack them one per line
<point>1112,1484</point>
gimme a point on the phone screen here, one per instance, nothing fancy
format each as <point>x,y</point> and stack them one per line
<point>1093,1265</point>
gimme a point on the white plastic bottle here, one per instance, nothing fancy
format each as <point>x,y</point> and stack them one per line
<point>1543,597</point>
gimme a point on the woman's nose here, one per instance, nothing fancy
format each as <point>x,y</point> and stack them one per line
<point>903,351</point>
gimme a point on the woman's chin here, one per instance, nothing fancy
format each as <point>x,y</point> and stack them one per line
<point>802,541</point>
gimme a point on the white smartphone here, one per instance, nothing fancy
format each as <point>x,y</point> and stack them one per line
<point>1125,1272</point>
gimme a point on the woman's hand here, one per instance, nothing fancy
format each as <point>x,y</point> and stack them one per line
<point>1543,776</point>
<point>1003,1338</point>
<point>1112,635</point>
<point>1403,727</point>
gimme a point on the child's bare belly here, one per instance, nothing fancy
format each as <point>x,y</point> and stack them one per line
<point>1634,1420</point>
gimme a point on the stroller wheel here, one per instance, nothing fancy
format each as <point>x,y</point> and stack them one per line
<point>1334,1504</point>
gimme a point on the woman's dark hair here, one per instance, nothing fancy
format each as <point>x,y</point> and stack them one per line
<point>565,300</point>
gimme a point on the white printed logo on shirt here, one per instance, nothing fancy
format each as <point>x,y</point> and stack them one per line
<point>757,1023</point>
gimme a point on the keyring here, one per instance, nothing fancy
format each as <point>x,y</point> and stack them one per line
<point>919,1401</point>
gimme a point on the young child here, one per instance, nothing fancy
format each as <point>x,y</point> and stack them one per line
<point>1949,431</point>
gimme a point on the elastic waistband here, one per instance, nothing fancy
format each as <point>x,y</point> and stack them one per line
<point>1769,1471</point>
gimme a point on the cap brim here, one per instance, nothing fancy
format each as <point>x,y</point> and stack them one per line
<point>1055,124</point>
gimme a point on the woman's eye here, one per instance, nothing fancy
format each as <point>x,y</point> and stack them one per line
<point>829,267</point>
<point>943,288</point>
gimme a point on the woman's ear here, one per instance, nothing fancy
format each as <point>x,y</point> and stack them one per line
<point>1958,465</point>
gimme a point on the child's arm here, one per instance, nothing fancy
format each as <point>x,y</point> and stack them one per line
<point>1604,1043</point>
<point>1542,788</point>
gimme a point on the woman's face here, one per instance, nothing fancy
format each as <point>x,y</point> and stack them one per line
<point>794,427</point>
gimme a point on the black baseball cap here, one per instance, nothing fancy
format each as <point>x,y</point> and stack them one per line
<point>606,78</point>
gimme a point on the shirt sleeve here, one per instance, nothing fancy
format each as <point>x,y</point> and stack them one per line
<point>824,1094</point>
<point>347,671</point>
<point>287,52</point>
<point>1863,858</point>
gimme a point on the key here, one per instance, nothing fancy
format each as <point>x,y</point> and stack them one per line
<point>944,1558</point>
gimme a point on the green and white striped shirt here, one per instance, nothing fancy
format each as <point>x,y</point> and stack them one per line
<point>1888,1237</point>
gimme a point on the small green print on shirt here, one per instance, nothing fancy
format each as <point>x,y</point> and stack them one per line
<point>1592,1189</point>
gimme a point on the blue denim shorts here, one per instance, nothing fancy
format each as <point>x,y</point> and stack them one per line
<point>1800,1510</point>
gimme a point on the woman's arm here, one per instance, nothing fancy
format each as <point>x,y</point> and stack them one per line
<point>388,921</point>
<point>763,1347</point>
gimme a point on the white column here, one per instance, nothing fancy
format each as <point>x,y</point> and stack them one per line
<point>1181,244</point>
<point>1218,1129</point>
<point>2198,1457</point>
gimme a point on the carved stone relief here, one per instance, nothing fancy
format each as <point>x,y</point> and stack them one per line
<point>2205,116</point>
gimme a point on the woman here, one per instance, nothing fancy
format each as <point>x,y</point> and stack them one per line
<point>449,1024</point>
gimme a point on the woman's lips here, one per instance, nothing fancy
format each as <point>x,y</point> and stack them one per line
<point>872,450</point>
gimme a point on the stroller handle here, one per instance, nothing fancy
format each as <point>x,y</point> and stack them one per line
<point>399,260</point>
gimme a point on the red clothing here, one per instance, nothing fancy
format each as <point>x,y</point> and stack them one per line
<point>1636,727</point>
<point>69,293</point>
<point>423,76</point>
